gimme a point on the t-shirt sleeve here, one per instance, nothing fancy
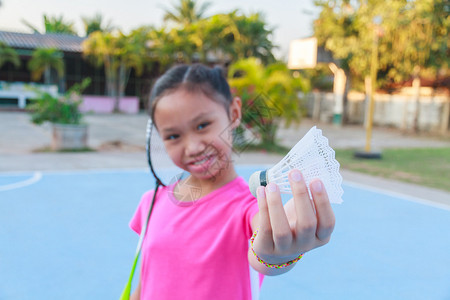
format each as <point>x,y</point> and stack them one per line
<point>140,215</point>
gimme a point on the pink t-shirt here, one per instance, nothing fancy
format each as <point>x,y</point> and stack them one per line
<point>197,250</point>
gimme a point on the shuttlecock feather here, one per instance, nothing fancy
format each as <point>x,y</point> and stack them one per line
<point>314,158</point>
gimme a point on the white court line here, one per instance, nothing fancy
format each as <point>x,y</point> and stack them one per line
<point>77,171</point>
<point>36,177</point>
<point>379,191</point>
<point>397,195</point>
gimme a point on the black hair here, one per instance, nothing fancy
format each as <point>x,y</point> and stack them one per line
<point>196,77</point>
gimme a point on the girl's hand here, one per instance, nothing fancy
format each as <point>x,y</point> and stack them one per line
<point>301,225</point>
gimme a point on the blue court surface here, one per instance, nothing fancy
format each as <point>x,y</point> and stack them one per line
<point>65,235</point>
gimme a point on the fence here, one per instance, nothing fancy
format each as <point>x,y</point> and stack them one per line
<point>428,112</point>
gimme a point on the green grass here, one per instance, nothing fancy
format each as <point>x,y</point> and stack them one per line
<point>48,149</point>
<point>423,166</point>
<point>265,147</point>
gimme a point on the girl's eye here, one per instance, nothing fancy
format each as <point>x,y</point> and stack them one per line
<point>202,125</point>
<point>172,137</point>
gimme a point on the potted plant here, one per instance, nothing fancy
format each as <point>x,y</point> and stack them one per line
<point>68,131</point>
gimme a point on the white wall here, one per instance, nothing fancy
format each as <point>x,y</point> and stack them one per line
<point>396,110</point>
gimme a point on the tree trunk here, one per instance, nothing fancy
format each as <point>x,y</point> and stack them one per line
<point>368,88</point>
<point>339,91</point>
<point>445,116</point>
<point>47,75</point>
<point>268,133</point>
<point>345,117</point>
<point>116,93</point>
<point>125,76</point>
<point>110,77</point>
<point>416,91</point>
<point>122,78</point>
<point>62,83</point>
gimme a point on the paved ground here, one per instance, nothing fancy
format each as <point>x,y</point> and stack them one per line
<point>383,247</point>
<point>119,141</point>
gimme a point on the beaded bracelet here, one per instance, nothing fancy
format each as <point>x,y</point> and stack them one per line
<point>271,265</point>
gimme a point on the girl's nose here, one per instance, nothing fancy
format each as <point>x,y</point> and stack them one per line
<point>194,146</point>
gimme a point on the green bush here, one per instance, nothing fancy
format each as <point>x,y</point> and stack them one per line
<point>61,110</point>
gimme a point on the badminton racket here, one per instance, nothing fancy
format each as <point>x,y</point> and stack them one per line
<point>165,172</point>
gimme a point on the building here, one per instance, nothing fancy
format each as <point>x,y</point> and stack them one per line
<point>76,67</point>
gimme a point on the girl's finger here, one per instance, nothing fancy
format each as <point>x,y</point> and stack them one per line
<point>325,215</point>
<point>306,218</point>
<point>281,231</point>
<point>264,228</point>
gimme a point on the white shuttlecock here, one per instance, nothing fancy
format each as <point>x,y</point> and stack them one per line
<point>314,158</point>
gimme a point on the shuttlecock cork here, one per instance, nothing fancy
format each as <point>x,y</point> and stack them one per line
<point>314,158</point>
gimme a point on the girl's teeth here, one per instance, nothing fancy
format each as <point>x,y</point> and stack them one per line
<point>201,161</point>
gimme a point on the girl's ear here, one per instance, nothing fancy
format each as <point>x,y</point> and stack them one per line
<point>236,112</point>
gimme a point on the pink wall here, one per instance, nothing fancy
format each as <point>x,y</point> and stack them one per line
<point>105,104</point>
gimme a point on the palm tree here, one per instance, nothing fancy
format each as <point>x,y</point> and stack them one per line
<point>163,47</point>
<point>214,35</point>
<point>95,23</point>
<point>118,53</point>
<point>232,36</point>
<point>8,54</point>
<point>186,12</point>
<point>54,25</point>
<point>255,38</point>
<point>43,61</point>
<point>267,93</point>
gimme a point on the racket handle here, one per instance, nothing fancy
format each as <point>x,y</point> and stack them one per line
<point>127,290</point>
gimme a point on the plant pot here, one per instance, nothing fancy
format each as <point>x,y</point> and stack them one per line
<point>69,136</point>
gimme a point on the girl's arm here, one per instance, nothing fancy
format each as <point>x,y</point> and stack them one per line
<point>137,292</point>
<point>285,232</point>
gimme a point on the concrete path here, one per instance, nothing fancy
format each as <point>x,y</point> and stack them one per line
<point>119,143</point>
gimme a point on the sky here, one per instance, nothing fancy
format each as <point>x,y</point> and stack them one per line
<point>290,19</point>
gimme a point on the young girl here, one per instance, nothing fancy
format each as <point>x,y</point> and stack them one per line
<point>197,244</point>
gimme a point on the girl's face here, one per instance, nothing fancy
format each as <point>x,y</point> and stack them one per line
<point>196,131</point>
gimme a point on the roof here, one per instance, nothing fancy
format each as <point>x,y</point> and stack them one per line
<point>62,42</point>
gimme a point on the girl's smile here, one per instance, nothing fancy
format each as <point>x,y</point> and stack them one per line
<point>202,165</point>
